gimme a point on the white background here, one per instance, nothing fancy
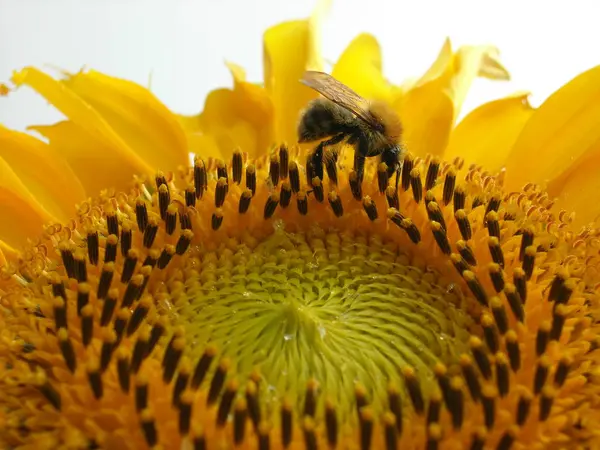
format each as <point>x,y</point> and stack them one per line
<point>180,45</point>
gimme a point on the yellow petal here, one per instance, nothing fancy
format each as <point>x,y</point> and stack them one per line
<point>239,117</point>
<point>100,135</point>
<point>458,70</point>
<point>429,109</point>
<point>487,134</point>
<point>254,117</point>
<point>190,124</point>
<point>561,131</point>
<point>8,255</point>
<point>441,65</point>
<point>359,67</point>
<point>471,62</point>
<point>47,176</point>
<point>406,85</point>
<point>254,106</point>
<point>289,49</point>
<point>240,135</point>
<point>22,215</point>
<point>315,23</point>
<point>222,126</point>
<point>218,111</point>
<point>97,166</point>
<point>427,115</point>
<point>204,145</point>
<point>136,115</point>
<point>198,142</point>
<point>251,101</point>
<point>576,189</point>
<point>490,66</point>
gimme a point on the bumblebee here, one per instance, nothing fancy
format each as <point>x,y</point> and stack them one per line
<point>371,127</point>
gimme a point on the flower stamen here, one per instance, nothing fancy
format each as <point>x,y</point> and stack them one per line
<point>257,323</point>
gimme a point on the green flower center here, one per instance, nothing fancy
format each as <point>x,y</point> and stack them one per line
<point>345,309</point>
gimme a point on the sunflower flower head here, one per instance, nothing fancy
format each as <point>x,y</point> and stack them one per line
<point>244,302</point>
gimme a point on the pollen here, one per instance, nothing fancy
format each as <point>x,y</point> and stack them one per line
<point>248,304</point>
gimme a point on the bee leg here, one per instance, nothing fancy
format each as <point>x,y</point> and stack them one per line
<point>391,157</point>
<point>359,166</point>
<point>331,165</point>
<point>360,155</point>
<point>314,165</point>
<point>316,159</point>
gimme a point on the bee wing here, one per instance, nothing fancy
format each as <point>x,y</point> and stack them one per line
<point>339,93</point>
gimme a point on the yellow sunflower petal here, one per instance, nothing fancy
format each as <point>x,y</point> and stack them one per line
<point>239,117</point>
<point>218,112</point>
<point>18,206</point>
<point>441,65</point>
<point>89,121</point>
<point>422,110</point>
<point>251,101</point>
<point>238,135</point>
<point>471,62</point>
<point>406,85</point>
<point>203,145</point>
<point>364,52</point>
<point>222,127</point>
<point>7,254</point>
<point>289,49</point>
<point>253,105</point>
<point>459,69</point>
<point>576,189</point>
<point>217,120</point>
<point>96,164</point>
<point>251,116</point>
<point>487,134</point>
<point>197,141</point>
<point>563,129</point>
<point>136,115</point>
<point>48,177</point>
<point>435,100</point>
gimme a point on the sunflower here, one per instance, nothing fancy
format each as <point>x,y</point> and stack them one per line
<point>238,303</point>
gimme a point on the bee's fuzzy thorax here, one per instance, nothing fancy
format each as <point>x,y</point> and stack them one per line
<point>388,118</point>
<point>323,118</point>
